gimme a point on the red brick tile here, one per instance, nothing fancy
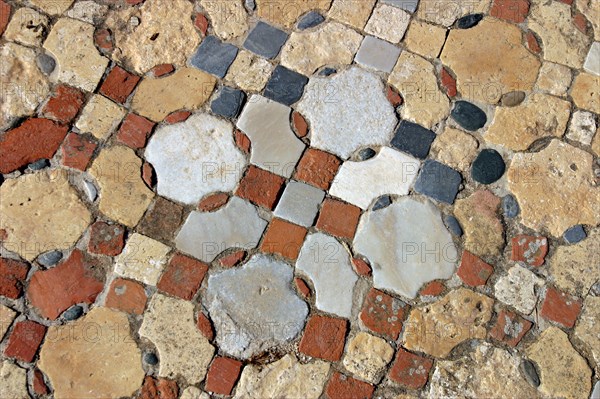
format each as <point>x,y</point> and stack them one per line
<point>205,326</point>
<point>222,375</point>
<point>433,288</point>
<point>55,290</point>
<point>148,175</point>
<point>4,16</point>
<point>338,218</point>
<point>119,84</point>
<point>448,82</point>
<point>134,131</point>
<point>213,202</point>
<point>106,239</point>
<point>324,338</point>
<point>233,259</point>
<point>393,97</point>
<point>532,43</point>
<point>361,267</point>
<point>39,385</point>
<point>103,39</point>
<point>560,307</point>
<point>201,23</point>
<point>302,287</point>
<point>77,151</point>
<point>510,10</point>
<point>473,271</point>
<point>341,386</point>
<point>529,249</point>
<point>580,22</point>
<point>260,187</point>
<point>410,370</point>
<point>12,277</point>
<point>182,277</point>
<point>568,2</point>
<point>35,139</point>
<point>162,70</point>
<point>158,388</point>
<point>127,296</point>
<point>510,328</point>
<point>162,220</point>
<point>242,141</point>
<point>24,340</point>
<point>300,125</point>
<point>134,2</point>
<point>177,116</point>
<point>64,105</point>
<point>283,238</point>
<point>317,168</point>
<point>383,314</point>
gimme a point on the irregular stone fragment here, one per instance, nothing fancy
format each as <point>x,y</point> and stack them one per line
<point>38,211</point>
<point>188,88</point>
<point>437,328</point>
<point>7,315</point>
<point>352,12</point>
<point>530,250</point>
<point>585,93</point>
<point>228,103</point>
<point>445,13</point>
<point>183,350</point>
<point>591,9</point>
<point>55,7</point>
<point>265,40</point>
<point>275,147</point>
<point>414,78</point>
<point>455,148</point>
<point>575,234</point>
<point>413,139</point>
<point>285,378</point>
<point>407,245</point>
<point>588,329</point>
<point>468,116</point>
<point>563,42</point>
<point>327,263</point>
<point>486,68</point>
<point>249,72</point>
<point>468,21</point>
<point>518,127</point>
<point>563,372</point>
<point>70,41</point>
<point>254,307</point>
<point>438,181</point>
<point>582,127</point>
<point>214,56</point>
<point>88,11</point>
<point>390,172</point>
<point>367,355</point>
<point>512,98</point>
<point>388,23</point>
<point>195,158</point>
<point>27,27</point>
<point>558,178</point>
<point>70,357</point>
<point>124,195</point>
<point>14,381</point>
<point>554,78</point>
<point>229,18</point>
<point>354,113</point>
<point>28,86</point>
<point>164,35</point>
<point>100,117</point>
<point>519,289</point>
<point>330,43</point>
<point>143,259</point>
<point>286,13</point>
<point>425,39</point>
<point>485,372</point>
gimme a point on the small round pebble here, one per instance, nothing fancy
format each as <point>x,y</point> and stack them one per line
<point>366,153</point>
<point>327,71</point>
<point>39,164</point>
<point>575,234</point>
<point>488,167</point>
<point>530,373</point>
<point>468,116</point>
<point>150,358</point>
<point>453,225</point>
<point>73,313</point>
<point>250,5</point>
<point>510,206</point>
<point>382,202</point>
<point>512,99</point>
<point>310,20</point>
<point>50,258</point>
<point>46,63</point>
<point>469,21</point>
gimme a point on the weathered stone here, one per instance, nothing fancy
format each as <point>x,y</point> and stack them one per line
<point>414,78</point>
<point>354,113</point>
<point>486,68</point>
<point>55,7</point>
<point>70,357</point>
<point>285,378</point>
<point>229,18</point>
<point>413,139</point>
<point>286,13</point>
<point>167,33</point>
<point>352,12</point>
<point>582,127</point>
<point>88,11</point>
<point>563,42</point>
<point>390,172</point>
<point>588,329</point>
<point>338,218</point>
<point>377,54</point>
<point>27,27</point>
<point>228,103</point>
<point>265,40</point>
<point>438,181</point>
<point>188,88</point>
<point>558,178</point>
<point>299,203</point>
<point>486,372</point>
<point>100,117</point>
<point>330,43</point>
<point>49,212</point>
<point>455,148</point>
<point>71,41</point>
<point>249,72</point>
<point>554,78</point>
<point>591,9</point>
<point>478,215</point>
<point>367,355</point>
<point>445,13</point>
<point>14,381</point>
<point>518,127</point>
<point>285,86</point>
<point>214,56</point>
<point>488,167</point>
<point>28,86</point>
<point>143,259</point>
<point>437,328</point>
<point>193,393</point>
<point>584,92</point>
<point>407,245</point>
<point>183,350</point>
<point>592,61</point>
<point>324,338</point>
<point>7,315</point>
<point>563,372</point>
<point>124,195</point>
<point>388,23</point>
<point>254,308</point>
<point>425,39</point>
<point>519,289</point>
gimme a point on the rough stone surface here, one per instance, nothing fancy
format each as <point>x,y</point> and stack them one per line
<point>7,315</point>
<point>265,40</point>
<point>329,43</point>
<point>124,196</point>
<point>519,289</point>
<point>229,18</point>
<point>254,308</point>
<point>445,13</point>
<point>388,23</point>
<point>455,148</point>
<point>143,259</point>
<point>559,178</point>
<point>286,14</point>
<point>351,12</point>
<point>285,86</point>
<point>390,172</point>
<point>377,54</point>
<point>285,378</point>
<point>70,358</point>
<point>591,9</point>
<point>100,117</point>
<point>367,355</point>
<point>26,27</point>
<point>584,92</point>
<point>425,39</point>
<point>582,127</point>
<point>249,72</point>
<point>563,372</point>
<point>354,113</point>
<point>486,68</point>
<point>422,248</point>
<point>14,381</point>
<point>587,328</point>
<point>554,78</point>
<point>299,203</point>
<point>324,338</point>
<point>437,328</point>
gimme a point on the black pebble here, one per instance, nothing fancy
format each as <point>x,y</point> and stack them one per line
<point>531,373</point>
<point>327,71</point>
<point>310,20</point>
<point>50,258</point>
<point>488,167</point>
<point>510,206</point>
<point>229,103</point>
<point>382,202</point>
<point>39,164</point>
<point>73,313</point>
<point>285,86</point>
<point>469,116</point>
<point>453,225</point>
<point>46,63</point>
<point>469,21</point>
<point>366,153</point>
<point>150,358</point>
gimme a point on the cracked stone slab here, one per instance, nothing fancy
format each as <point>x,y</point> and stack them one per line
<point>407,244</point>
<point>27,27</point>
<point>327,263</point>
<point>519,289</point>
<point>142,259</point>
<point>206,235</point>
<point>195,158</point>
<point>184,351</point>
<point>347,111</point>
<point>275,147</point>
<point>254,307</point>
<point>229,18</point>
<point>389,172</point>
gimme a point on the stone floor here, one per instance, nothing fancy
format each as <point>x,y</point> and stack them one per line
<point>300,199</point>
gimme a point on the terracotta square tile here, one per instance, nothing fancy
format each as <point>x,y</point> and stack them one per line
<point>260,187</point>
<point>283,238</point>
<point>324,338</point>
<point>317,168</point>
<point>338,218</point>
